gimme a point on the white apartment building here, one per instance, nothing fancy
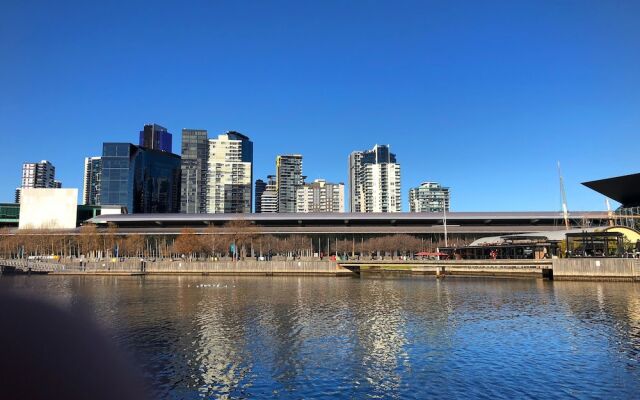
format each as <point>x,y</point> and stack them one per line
<point>429,197</point>
<point>41,175</point>
<point>269,201</point>
<point>320,196</point>
<point>230,174</point>
<point>374,181</point>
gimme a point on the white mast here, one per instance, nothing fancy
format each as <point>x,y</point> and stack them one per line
<point>565,210</point>
<point>609,213</point>
<point>444,222</point>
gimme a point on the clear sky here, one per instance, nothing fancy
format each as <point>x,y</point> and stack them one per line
<point>482,96</point>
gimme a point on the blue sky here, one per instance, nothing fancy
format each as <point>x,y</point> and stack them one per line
<point>484,97</point>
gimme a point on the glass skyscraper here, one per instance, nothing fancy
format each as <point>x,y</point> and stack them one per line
<point>260,187</point>
<point>156,137</point>
<point>288,180</point>
<point>195,156</point>
<point>142,179</point>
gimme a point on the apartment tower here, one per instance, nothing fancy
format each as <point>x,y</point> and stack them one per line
<point>92,178</point>
<point>288,180</point>
<point>230,174</point>
<point>195,156</point>
<point>374,181</point>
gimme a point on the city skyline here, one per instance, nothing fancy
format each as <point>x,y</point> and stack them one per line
<point>457,100</point>
<point>404,197</point>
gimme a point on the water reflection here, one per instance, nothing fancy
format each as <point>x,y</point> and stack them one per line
<point>414,337</point>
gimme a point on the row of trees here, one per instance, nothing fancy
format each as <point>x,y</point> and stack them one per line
<point>237,239</point>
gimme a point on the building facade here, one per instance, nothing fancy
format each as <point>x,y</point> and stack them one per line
<point>141,179</point>
<point>230,174</point>
<point>40,175</point>
<point>195,156</point>
<point>320,196</point>
<point>288,180</point>
<point>429,197</point>
<point>268,197</point>
<point>259,187</point>
<point>374,181</point>
<point>91,181</point>
<point>156,137</point>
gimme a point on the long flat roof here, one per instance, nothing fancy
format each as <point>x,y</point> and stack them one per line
<point>349,217</point>
<point>475,223</point>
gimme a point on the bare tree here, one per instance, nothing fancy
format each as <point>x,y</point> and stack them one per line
<point>187,244</point>
<point>7,243</point>
<point>111,239</point>
<point>89,240</point>
<point>212,241</point>
<point>239,233</point>
<point>133,245</point>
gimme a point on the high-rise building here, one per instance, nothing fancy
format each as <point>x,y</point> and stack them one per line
<point>92,176</point>
<point>37,175</point>
<point>320,196</point>
<point>288,179</point>
<point>269,197</point>
<point>374,181</point>
<point>230,174</point>
<point>139,178</point>
<point>429,197</point>
<point>259,187</point>
<point>156,137</point>
<point>195,155</point>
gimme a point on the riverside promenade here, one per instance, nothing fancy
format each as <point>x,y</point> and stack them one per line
<point>607,269</point>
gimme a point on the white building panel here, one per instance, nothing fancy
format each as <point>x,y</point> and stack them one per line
<point>48,208</point>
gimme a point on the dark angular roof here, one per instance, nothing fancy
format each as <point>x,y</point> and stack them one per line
<point>623,189</point>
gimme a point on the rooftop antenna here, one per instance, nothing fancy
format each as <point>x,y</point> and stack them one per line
<point>565,210</point>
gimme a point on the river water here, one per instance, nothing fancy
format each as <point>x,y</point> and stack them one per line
<point>370,337</point>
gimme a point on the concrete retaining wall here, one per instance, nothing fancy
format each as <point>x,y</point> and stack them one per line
<point>563,269</point>
<point>135,266</point>
<point>246,267</point>
<point>530,268</point>
<point>596,269</point>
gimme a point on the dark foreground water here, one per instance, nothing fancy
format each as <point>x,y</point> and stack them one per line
<point>315,337</point>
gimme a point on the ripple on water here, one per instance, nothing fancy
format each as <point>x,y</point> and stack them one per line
<point>312,337</point>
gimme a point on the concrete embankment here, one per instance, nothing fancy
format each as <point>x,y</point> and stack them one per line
<point>247,267</point>
<point>495,268</point>
<point>608,269</point>
<point>561,269</point>
<point>138,267</point>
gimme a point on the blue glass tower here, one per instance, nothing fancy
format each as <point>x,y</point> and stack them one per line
<point>142,179</point>
<point>156,137</point>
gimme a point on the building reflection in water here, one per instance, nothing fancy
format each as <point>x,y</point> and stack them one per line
<point>301,337</point>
